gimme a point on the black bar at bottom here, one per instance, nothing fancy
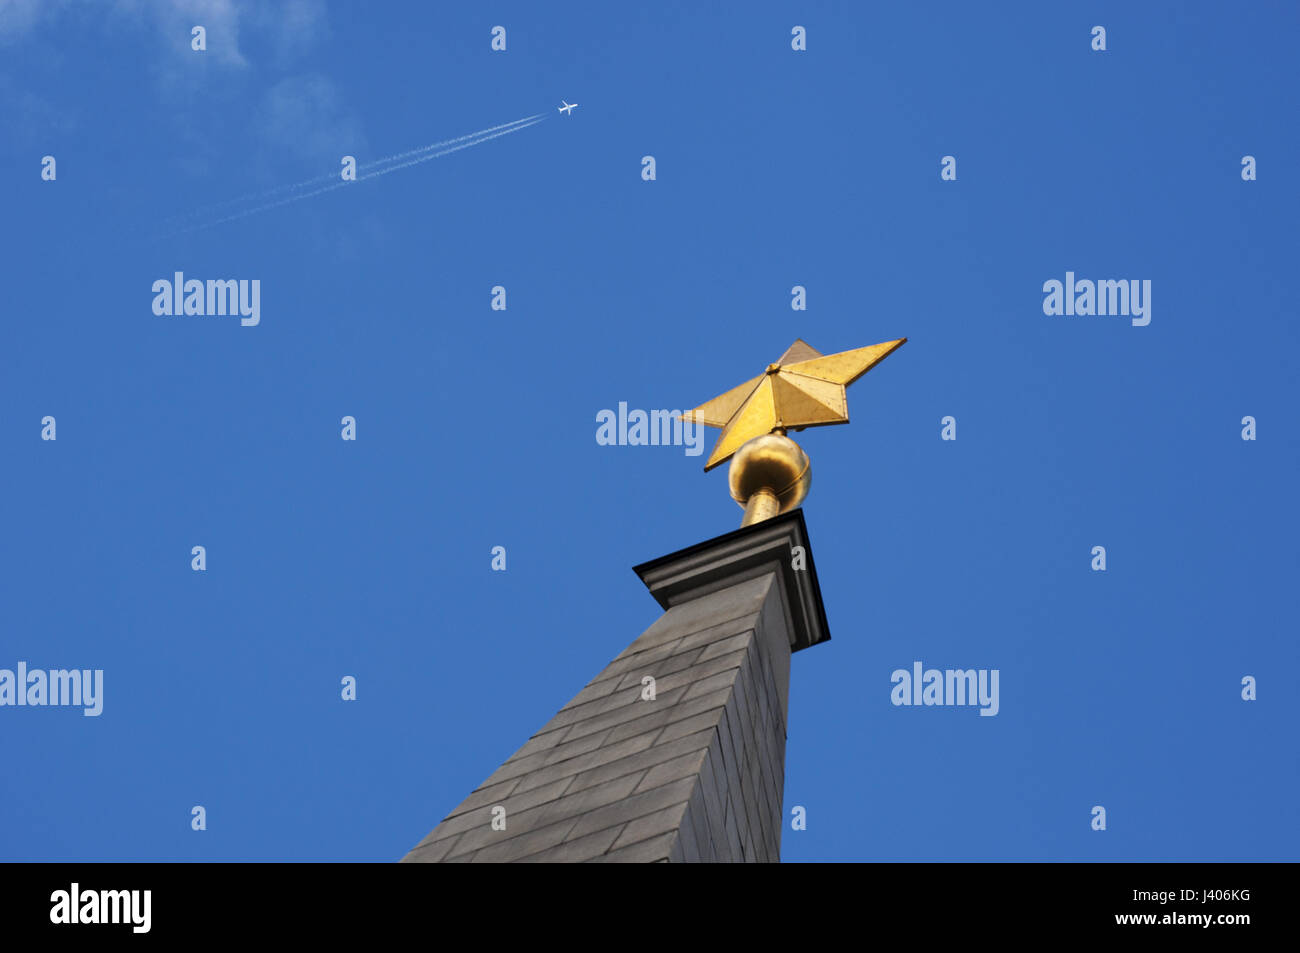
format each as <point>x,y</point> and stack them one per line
<point>341,902</point>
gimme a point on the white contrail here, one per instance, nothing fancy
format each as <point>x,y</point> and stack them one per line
<point>404,165</point>
<point>325,177</point>
<point>371,169</point>
<point>448,142</point>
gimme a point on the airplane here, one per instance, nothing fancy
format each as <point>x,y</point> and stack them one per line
<point>566,108</point>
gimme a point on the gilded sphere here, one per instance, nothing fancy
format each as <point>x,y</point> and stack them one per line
<point>773,461</point>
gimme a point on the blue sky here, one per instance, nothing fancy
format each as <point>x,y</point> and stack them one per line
<point>475,428</point>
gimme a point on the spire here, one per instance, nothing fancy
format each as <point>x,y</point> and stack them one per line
<point>676,750</point>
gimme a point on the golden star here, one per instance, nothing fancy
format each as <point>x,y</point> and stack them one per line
<point>804,388</point>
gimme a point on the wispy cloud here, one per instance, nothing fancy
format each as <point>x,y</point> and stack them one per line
<point>288,28</point>
<point>303,118</point>
<point>174,19</point>
<point>291,28</point>
<point>250,47</point>
<point>19,17</point>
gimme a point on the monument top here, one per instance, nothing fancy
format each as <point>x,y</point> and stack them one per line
<point>770,473</point>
